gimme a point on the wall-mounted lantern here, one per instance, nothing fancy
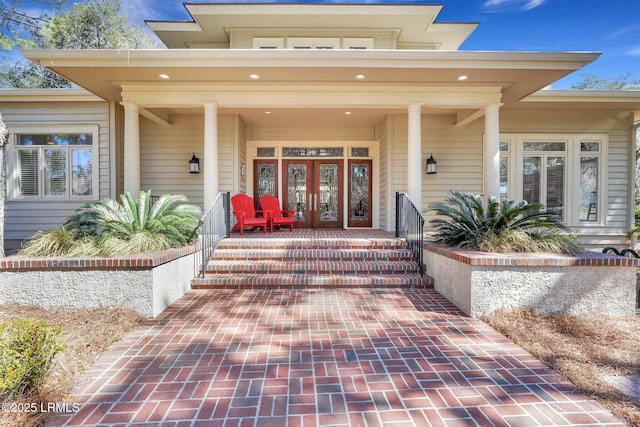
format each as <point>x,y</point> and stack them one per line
<point>431,165</point>
<point>194,164</point>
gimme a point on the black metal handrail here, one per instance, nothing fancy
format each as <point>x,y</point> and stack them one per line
<point>410,226</point>
<point>215,225</point>
<point>628,252</point>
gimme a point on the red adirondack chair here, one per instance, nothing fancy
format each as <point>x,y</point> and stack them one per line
<point>275,216</point>
<point>245,214</point>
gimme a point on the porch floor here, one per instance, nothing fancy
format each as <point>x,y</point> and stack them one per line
<point>317,233</point>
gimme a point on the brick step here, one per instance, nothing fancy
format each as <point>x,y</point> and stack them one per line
<point>342,254</point>
<point>312,243</point>
<point>288,281</point>
<point>310,267</point>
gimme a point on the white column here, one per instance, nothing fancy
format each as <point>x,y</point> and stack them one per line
<point>210,161</point>
<point>131,148</point>
<point>414,163</point>
<point>491,151</point>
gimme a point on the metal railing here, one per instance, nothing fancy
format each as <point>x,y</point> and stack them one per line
<point>215,225</point>
<point>410,226</point>
<point>628,252</point>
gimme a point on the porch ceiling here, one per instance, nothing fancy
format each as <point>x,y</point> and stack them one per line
<point>516,74</point>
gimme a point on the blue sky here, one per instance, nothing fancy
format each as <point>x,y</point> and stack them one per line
<point>608,26</point>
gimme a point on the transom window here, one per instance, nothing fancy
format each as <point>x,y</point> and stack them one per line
<point>562,172</point>
<point>55,164</point>
<point>354,43</point>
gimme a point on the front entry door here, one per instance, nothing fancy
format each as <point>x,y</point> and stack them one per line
<point>313,189</point>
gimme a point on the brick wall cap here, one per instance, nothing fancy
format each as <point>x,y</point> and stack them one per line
<point>128,262</point>
<point>469,257</point>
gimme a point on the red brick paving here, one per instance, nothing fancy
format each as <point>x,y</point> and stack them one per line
<point>334,357</point>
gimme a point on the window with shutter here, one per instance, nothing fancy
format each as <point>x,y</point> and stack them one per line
<point>54,165</point>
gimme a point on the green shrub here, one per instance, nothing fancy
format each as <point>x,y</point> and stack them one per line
<point>129,226</point>
<point>500,226</point>
<point>27,348</point>
<point>59,242</point>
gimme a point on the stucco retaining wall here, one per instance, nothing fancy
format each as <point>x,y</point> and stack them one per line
<point>146,283</point>
<point>479,283</point>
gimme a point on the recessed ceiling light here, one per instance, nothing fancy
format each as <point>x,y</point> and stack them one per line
<point>164,76</point>
<point>347,113</point>
<point>254,76</point>
<point>268,113</point>
<point>462,78</point>
<point>360,77</point>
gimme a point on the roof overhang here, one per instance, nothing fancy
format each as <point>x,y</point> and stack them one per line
<point>411,24</point>
<point>48,95</point>
<point>515,74</point>
<point>584,99</point>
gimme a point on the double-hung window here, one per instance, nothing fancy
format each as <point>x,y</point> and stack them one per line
<point>563,172</point>
<point>54,163</point>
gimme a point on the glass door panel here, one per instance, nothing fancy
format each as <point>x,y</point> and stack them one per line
<point>555,185</point>
<point>532,179</point>
<point>298,181</point>
<point>327,193</point>
<point>360,193</point>
<point>265,179</point>
<point>313,189</point>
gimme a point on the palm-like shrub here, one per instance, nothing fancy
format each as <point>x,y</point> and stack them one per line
<point>505,226</point>
<point>129,226</point>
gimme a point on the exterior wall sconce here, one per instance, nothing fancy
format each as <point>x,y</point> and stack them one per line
<point>194,164</point>
<point>431,165</point>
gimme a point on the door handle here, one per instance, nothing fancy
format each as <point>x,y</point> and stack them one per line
<point>315,202</point>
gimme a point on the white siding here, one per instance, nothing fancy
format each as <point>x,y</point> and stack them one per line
<point>165,154</point>
<point>24,218</point>
<point>226,146</point>
<point>384,135</point>
<point>242,151</point>
<point>458,152</point>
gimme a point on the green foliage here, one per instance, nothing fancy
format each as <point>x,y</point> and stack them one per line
<point>26,74</point>
<point>593,82</point>
<point>504,226</point>
<point>27,349</point>
<point>95,24</point>
<point>129,226</point>
<point>58,242</point>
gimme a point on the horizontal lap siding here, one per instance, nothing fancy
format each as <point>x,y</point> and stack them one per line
<point>23,218</point>
<point>458,152</point>
<point>383,136</point>
<point>165,153</point>
<point>242,151</point>
<point>226,140</point>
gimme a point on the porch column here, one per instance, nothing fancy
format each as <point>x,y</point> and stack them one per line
<point>491,151</point>
<point>414,158</point>
<point>210,162</point>
<point>131,148</point>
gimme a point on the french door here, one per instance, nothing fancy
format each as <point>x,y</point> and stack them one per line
<point>313,189</point>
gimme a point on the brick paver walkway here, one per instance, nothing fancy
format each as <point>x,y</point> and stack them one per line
<point>334,357</point>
